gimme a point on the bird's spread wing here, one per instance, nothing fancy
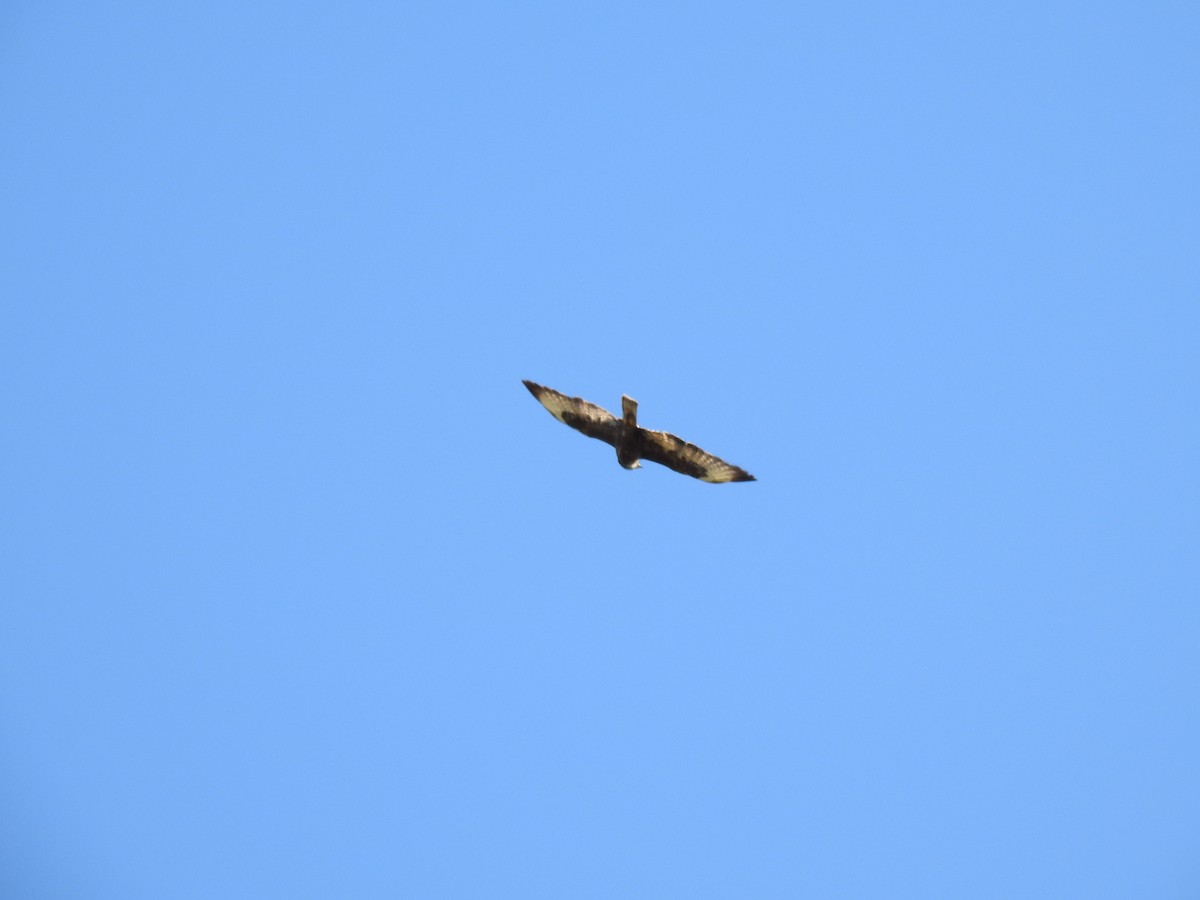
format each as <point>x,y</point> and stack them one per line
<point>676,453</point>
<point>592,420</point>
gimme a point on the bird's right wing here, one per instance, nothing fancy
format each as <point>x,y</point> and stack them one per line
<point>676,453</point>
<point>592,420</point>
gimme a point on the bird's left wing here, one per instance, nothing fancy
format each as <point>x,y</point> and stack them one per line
<point>594,421</point>
<point>676,453</point>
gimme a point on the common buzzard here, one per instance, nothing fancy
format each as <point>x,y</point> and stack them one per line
<point>634,443</point>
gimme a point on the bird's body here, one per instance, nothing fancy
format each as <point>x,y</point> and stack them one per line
<point>632,442</point>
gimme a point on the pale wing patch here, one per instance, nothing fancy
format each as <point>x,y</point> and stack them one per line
<point>722,472</point>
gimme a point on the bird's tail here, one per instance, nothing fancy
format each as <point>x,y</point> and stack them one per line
<point>629,409</point>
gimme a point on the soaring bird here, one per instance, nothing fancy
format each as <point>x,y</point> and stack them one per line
<point>634,443</point>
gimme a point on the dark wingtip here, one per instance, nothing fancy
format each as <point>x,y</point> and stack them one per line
<point>534,387</point>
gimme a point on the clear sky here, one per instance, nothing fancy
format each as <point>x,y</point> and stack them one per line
<point>304,596</point>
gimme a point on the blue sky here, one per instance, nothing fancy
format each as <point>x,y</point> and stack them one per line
<point>305,596</point>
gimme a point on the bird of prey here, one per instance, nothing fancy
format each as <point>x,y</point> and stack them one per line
<point>634,443</point>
